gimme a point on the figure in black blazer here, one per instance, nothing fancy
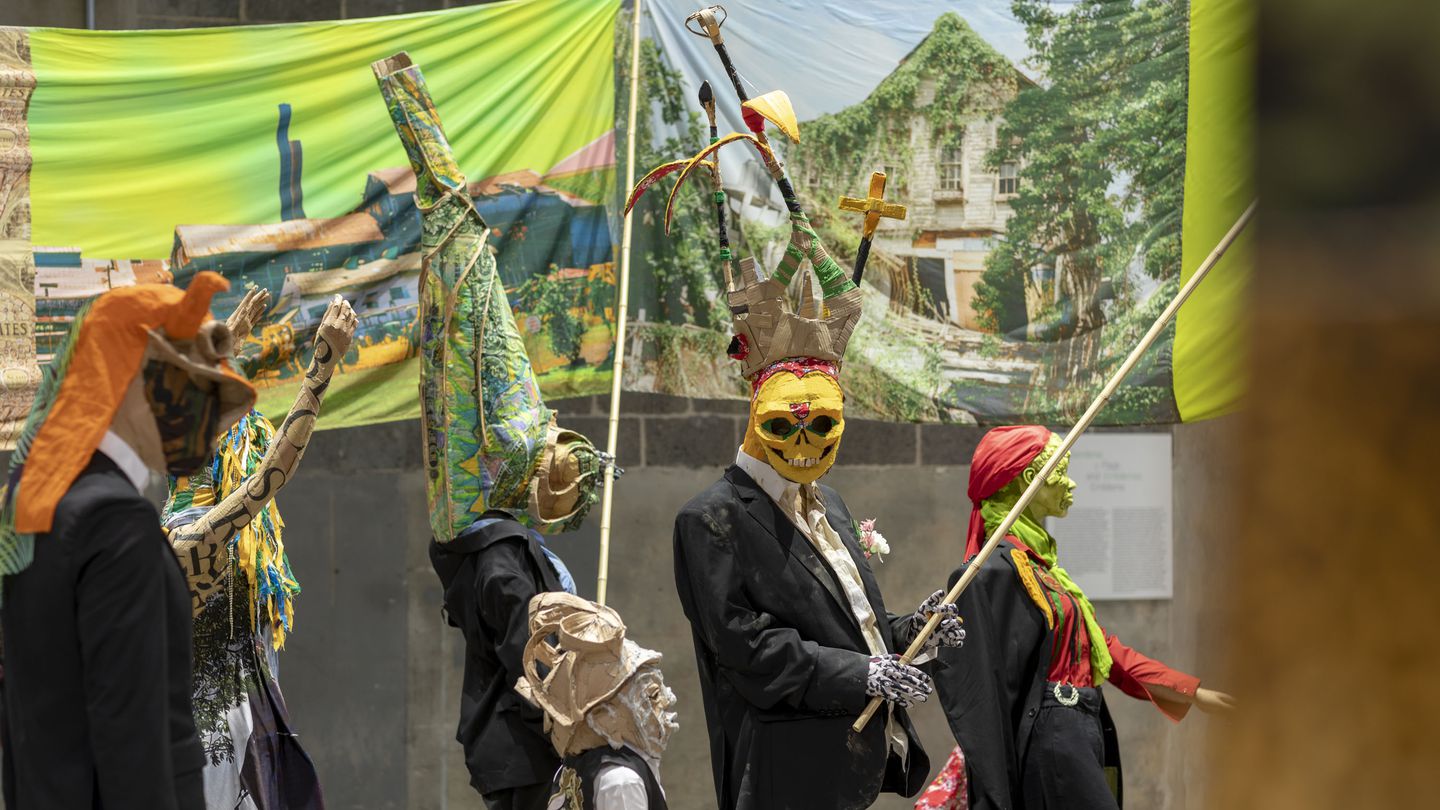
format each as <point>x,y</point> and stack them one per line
<point>498,467</point>
<point>785,667</point>
<point>96,614</point>
<point>490,572</point>
<point>790,632</point>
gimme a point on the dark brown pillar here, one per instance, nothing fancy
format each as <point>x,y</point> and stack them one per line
<point>1332,585</point>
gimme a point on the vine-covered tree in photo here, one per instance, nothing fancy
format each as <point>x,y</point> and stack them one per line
<point>683,265</point>
<point>1101,144</point>
<point>546,297</point>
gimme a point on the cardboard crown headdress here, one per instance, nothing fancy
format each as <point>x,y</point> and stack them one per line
<point>768,330</point>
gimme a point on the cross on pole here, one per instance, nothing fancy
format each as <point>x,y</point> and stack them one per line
<point>874,207</point>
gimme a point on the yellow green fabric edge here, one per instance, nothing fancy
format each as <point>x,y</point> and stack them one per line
<point>1209,364</point>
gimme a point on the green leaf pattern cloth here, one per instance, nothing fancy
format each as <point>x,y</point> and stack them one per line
<point>484,421</point>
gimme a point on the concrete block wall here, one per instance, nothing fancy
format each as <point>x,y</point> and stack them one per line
<point>124,14</point>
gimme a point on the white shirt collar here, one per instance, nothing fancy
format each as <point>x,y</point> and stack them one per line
<point>773,483</point>
<point>653,762</point>
<point>125,457</point>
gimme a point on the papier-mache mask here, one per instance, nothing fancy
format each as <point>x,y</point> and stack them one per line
<point>567,482</point>
<point>597,687</point>
<point>792,359</point>
<point>797,418</point>
<point>110,342</point>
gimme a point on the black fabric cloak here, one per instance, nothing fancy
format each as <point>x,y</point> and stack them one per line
<point>782,660</point>
<point>98,660</point>
<point>992,687</point>
<point>490,574</point>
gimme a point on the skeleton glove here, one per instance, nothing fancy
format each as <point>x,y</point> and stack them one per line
<point>896,682</point>
<point>949,633</point>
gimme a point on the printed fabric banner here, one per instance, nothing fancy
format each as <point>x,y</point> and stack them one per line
<point>265,153</point>
<point>1040,149</point>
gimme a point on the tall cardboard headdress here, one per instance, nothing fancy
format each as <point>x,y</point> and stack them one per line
<point>588,660</point>
<point>769,331</point>
<point>490,442</point>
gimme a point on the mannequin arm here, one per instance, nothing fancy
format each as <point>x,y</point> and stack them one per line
<point>1209,701</point>
<point>291,438</point>
<point>242,321</point>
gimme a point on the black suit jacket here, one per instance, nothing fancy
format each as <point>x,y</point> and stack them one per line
<point>490,575</point>
<point>991,688</point>
<point>98,660</point>
<point>782,661</point>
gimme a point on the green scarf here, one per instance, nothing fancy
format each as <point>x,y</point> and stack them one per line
<point>1034,535</point>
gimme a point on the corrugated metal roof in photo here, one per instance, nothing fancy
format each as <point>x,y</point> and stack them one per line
<point>277,237</point>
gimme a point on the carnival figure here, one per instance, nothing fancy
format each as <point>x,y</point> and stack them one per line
<point>791,633</point>
<point>96,614</point>
<point>1025,700</point>
<point>606,705</point>
<point>226,531</point>
<point>500,473</point>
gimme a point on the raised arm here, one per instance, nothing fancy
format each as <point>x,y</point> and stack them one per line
<point>242,321</point>
<point>291,438</point>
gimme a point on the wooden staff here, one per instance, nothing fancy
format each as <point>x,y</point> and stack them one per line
<point>1045,471</point>
<point>622,309</point>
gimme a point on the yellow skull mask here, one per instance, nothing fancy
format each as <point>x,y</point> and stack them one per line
<point>796,424</point>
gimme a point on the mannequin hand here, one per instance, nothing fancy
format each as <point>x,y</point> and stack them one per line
<point>1212,701</point>
<point>949,633</point>
<point>337,326</point>
<point>242,321</point>
<point>896,682</point>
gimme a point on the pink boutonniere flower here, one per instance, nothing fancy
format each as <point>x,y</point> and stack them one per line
<point>873,543</point>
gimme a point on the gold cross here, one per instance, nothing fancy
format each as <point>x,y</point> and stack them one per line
<point>873,206</point>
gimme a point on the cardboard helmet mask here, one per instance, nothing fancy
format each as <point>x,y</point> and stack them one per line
<point>566,482</point>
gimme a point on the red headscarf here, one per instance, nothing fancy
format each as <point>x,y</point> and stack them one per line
<point>1001,455</point>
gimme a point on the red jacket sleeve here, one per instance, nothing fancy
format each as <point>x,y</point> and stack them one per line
<point>1131,671</point>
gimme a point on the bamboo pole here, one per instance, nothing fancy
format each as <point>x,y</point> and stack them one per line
<point>622,311</point>
<point>1054,461</point>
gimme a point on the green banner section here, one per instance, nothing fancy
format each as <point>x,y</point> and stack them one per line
<point>1063,173</point>
<point>265,153</point>
<point>1219,184</point>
